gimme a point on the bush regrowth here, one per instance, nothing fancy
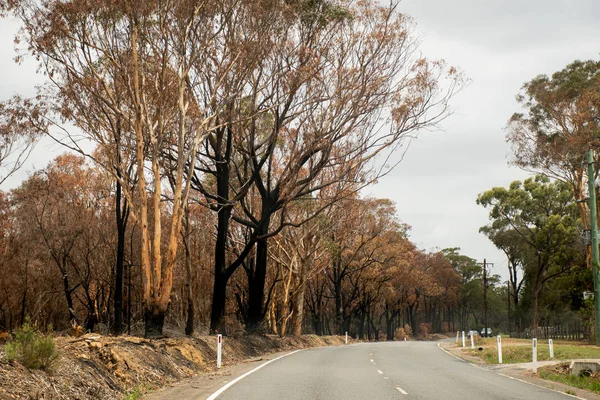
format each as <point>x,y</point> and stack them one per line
<point>32,348</point>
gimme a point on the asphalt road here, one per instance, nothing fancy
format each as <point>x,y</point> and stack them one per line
<point>395,370</point>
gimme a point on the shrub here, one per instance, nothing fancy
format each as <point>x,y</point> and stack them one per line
<point>424,329</point>
<point>445,327</point>
<point>31,348</point>
<point>399,334</point>
<point>408,330</point>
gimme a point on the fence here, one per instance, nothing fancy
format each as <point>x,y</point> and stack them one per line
<point>575,331</point>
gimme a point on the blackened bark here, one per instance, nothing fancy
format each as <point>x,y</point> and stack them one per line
<point>256,286</point>
<point>221,278</point>
<point>389,324</point>
<point>67,289</point>
<point>154,320</point>
<point>218,303</point>
<point>223,217</point>
<point>122,215</point>
<point>361,323</point>
<point>413,319</point>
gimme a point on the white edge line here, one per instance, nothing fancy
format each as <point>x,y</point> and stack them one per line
<point>401,390</point>
<point>510,377</point>
<point>239,378</point>
<point>540,386</point>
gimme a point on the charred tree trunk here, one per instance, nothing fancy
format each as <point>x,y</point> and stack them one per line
<point>413,319</point>
<point>389,324</point>
<point>154,320</point>
<point>68,295</point>
<point>222,171</point>
<point>256,286</point>
<point>361,323</point>
<point>221,276</point>
<point>122,215</point>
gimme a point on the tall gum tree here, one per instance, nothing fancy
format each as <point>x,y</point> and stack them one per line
<point>543,214</point>
<point>559,123</point>
<point>141,62</point>
<point>345,71</point>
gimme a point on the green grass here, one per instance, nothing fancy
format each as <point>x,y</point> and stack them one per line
<point>520,351</point>
<point>134,394</point>
<point>583,382</point>
<point>137,392</point>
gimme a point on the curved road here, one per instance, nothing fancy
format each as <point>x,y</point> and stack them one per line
<point>392,370</point>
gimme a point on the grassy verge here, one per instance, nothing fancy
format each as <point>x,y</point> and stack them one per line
<point>560,373</point>
<point>519,351</point>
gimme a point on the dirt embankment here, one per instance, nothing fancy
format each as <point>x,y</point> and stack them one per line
<point>105,367</point>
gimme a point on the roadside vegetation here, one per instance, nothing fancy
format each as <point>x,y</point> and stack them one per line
<point>32,348</point>
<point>520,350</point>
<point>560,373</point>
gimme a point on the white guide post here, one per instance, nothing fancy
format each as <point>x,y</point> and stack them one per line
<point>472,341</point>
<point>463,338</point>
<point>534,355</point>
<point>346,337</point>
<point>219,346</point>
<point>456,337</point>
<point>499,341</point>
<point>551,346</point>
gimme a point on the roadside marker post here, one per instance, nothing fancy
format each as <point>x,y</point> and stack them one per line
<point>219,346</point>
<point>551,347</point>
<point>499,341</point>
<point>472,341</point>
<point>534,355</point>
<point>456,337</point>
<point>463,338</point>
<point>346,337</point>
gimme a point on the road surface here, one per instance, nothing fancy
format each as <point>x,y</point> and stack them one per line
<point>392,370</point>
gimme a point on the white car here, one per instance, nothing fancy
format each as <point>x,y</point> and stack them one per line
<point>472,332</point>
<point>489,332</point>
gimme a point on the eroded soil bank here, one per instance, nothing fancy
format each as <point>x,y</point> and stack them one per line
<point>106,367</point>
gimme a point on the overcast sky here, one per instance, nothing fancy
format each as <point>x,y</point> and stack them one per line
<point>499,44</point>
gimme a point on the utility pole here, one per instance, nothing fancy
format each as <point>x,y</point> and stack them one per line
<point>508,301</point>
<point>485,325</point>
<point>485,286</point>
<point>594,229</point>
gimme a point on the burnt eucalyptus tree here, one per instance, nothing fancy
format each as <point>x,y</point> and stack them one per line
<point>139,60</point>
<point>244,45</point>
<point>345,87</point>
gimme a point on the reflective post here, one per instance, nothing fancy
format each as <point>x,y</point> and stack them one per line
<point>499,341</point>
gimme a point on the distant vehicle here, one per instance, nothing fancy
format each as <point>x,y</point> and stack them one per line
<point>473,332</point>
<point>489,332</point>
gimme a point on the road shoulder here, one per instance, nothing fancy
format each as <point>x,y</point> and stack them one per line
<point>203,385</point>
<point>520,372</point>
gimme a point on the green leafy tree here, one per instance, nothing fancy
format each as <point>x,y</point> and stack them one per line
<point>510,242</point>
<point>543,215</point>
<point>470,298</point>
<point>559,122</point>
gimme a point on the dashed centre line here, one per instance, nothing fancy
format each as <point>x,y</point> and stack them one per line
<point>380,372</point>
<point>401,390</point>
